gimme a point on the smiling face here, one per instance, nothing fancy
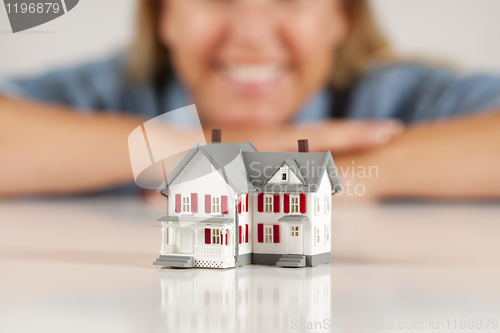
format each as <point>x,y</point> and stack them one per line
<point>252,62</point>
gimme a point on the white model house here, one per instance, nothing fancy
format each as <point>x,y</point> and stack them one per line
<point>230,205</point>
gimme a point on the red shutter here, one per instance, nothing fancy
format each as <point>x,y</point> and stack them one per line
<point>239,206</point>
<point>177,203</point>
<point>260,203</point>
<point>286,203</point>
<point>276,203</point>
<point>225,237</point>
<point>239,234</point>
<point>207,236</point>
<point>246,203</point>
<point>302,203</point>
<point>194,202</point>
<point>223,204</point>
<point>246,233</point>
<point>208,199</point>
<point>276,233</point>
<point>260,233</point>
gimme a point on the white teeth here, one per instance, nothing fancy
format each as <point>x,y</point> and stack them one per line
<point>253,73</point>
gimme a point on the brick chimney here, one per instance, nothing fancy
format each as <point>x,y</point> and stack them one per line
<point>303,146</point>
<point>216,136</point>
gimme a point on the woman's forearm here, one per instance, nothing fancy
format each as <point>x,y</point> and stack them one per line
<point>452,159</point>
<point>47,149</point>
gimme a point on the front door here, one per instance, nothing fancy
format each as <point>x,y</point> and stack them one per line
<point>186,244</point>
<point>295,240</point>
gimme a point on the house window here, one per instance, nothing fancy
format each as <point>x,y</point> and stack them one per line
<point>284,174</point>
<point>294,231</point>
<point>327,234</point>
<point>215,205</point>
<point>268,203</point>
<point>216,235</point>
<point>327,204</point>
<point>317,236</point>
<point>186,205</point>
<point>268,234</point>
<point>318,206</point>
<point>294,203</point>
<point>243,203</point>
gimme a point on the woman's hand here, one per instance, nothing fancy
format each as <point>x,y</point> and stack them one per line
<point>338,136</point>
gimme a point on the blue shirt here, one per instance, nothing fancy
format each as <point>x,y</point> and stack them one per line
<point>408,91</point>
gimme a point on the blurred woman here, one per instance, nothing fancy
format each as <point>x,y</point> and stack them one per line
<point>268,71</point>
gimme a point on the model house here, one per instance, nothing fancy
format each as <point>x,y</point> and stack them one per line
<point>229,205</point>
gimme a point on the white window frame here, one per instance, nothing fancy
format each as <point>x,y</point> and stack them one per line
<point>268,233</point>
<point>243,203</point>
<point>284,172</point>
<point>268,203</point>
<point>294,207</point>
<point>215,236</point>
<point>328,202</point>
<point>327,234</point>
<point>185,204</point>
<point>317,205</point>
<point>294,231</point>
<point>215,205</point>
<point>317,236</point>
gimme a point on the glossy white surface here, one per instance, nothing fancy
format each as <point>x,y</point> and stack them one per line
<point>85,266</point>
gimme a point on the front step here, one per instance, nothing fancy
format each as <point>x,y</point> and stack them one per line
<point>174,261</point>
<point>291,260</point>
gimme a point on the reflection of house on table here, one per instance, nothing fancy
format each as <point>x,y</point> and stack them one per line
<point>230,205</point>
<point>252,298</point>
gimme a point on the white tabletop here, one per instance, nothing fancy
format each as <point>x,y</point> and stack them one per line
<point>85,265</point>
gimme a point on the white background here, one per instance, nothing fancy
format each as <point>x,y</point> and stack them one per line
<point>464,32</point>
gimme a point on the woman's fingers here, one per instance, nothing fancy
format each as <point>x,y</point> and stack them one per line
<point>338,136</point>
<point>349,135</point>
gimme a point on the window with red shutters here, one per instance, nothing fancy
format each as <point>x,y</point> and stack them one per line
<point>177,203</point>
<point>276,233</point>
<point>208,202</point>
<point>260,233</point>
<point>302,203</point>
<point>246,233</point>
<point>239,234</point>
<point>286,203</point>
<point>207,236</point>
<point>276,203</point>
<point>194,202</point>
<point>246,201</point>
<point>260,202</point>
<point>223,200</point>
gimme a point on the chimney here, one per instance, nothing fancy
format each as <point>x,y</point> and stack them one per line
<point>216,136</point>
<point>303,146</point>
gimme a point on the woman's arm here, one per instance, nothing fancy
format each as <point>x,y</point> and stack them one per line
<point>47,149</point>
<point>452,159</point>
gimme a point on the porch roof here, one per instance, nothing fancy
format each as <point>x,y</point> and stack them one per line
<point>191,219</point>
<point>287,218</point>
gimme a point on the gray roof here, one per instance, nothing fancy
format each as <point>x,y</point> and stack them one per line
<point>308,167</point>
<point>245,169</point>
<point>226,159</point>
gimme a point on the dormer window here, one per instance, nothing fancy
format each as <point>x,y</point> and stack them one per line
<point>284,174</point>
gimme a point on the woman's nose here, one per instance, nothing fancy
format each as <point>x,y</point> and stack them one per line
<point>253,23</point>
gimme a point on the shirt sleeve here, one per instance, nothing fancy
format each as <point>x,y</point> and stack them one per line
<point>416,93</point>
<point>94,86</point>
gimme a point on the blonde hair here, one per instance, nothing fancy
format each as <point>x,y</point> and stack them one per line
<point>365,44</point>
